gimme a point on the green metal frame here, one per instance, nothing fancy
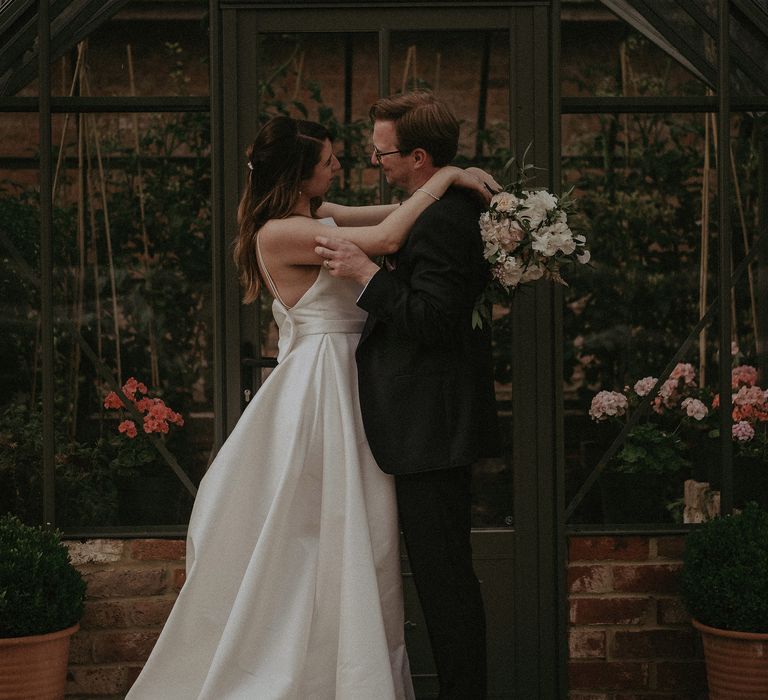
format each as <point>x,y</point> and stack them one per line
<point>541,513</point>
<point>724,105</point>
<point>81,20</point>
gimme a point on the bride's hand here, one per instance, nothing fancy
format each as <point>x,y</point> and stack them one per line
<point>486,178</point>
<point>476,181</point>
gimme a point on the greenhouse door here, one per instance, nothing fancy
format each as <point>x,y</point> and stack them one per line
<point>492,64</point>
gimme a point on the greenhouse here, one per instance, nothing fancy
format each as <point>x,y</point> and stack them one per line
<point>632,399</point>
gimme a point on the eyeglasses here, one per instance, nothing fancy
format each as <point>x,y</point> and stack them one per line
<point>379,155</point>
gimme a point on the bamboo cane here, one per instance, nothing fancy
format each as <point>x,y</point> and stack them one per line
<point>299,71</point>
<point>107,237</point>
<point>75,78</point>
<point>704,254</point>
<point>414,72</point>
<point>409,58</point>
<point>79,280</point>
<point>743,223</point>
<point>92,197</point>
<point>742,219</point>
<point>624,63</point>
<point>153,352</point>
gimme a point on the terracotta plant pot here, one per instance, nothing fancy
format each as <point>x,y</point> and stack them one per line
<point>36,666</point>
<point>737,663</point>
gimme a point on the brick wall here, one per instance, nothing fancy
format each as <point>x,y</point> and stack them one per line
<point>630,637</point>
<point>132,585</point>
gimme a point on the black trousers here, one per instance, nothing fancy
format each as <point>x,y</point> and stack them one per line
<point>434,509</point>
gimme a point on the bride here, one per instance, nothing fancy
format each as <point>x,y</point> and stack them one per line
<point>293,587</point>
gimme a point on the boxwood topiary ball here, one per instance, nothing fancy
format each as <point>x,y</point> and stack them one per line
<point>40,590</point>
<point>725,571</point>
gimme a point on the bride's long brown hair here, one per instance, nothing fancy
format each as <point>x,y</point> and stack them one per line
<point>283,154</point>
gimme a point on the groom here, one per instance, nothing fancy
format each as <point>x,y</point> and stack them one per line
<point>426,382</point>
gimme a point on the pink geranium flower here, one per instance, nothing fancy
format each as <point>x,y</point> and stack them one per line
<point>643,386</point>
<point>128,427</point>
<point>743,375</point>
<point>608,403</point>
<point>156,414</point>
<point>684,371</point>
<point>742,431</point>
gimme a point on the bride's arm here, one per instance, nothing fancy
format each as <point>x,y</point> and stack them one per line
<point>370,215</point>
<point>345,215</point>
<point>292,240</point>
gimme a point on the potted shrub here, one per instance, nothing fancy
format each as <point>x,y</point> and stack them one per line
<point>41,602</point>
<point>725,588</point>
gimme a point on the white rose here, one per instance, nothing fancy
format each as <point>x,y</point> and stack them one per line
<point>536,205</point>
<point>584,257</point>
<point>545,243</point>
<point>562,238</point>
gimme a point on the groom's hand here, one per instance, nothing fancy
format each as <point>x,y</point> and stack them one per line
<point>344,259</point>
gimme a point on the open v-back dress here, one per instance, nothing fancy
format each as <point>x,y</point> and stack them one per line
<point>293,588</point>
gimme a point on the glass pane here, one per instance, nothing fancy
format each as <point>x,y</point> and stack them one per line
<point>329,78</point>
<point>650,202</point>
<point>639,184</point>
<point>20,432</point>
<point>604,56</point>
<point>299,75</point>
<point>749,373</point>
<point>141,51</point>
<point>419,59</point>
<point>132,284</point>
<point>749,56</point>
<point>18,61</point>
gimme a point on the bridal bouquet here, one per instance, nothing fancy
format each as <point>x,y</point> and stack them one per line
<point>526,236</point>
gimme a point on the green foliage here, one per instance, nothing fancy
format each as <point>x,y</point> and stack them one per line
<point>40,590</point>
<point>158,206</point>
<point>650,450</point>
<point>638,179</point>
<point>632,309</point>
<point>86,490</point>
<point>725,571</point>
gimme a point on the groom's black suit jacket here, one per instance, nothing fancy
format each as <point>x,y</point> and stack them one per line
<point>425,376</point>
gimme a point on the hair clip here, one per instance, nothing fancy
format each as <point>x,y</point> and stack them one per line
<point>250,165</point>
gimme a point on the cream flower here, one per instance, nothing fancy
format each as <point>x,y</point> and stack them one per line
<point>694,408</point>
<point>608,403</point>
<point>536,205</point>
<point>643,386</point>
<point>505,201</point>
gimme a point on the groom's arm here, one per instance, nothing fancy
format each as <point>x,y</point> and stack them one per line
<point>432,304</point>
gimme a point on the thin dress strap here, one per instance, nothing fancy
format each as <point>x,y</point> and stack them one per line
<point>270,282</point>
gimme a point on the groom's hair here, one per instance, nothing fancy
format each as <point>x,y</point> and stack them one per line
<point>421,121</point>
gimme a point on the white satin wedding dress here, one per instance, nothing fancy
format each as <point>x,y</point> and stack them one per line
<point>293,588</point>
